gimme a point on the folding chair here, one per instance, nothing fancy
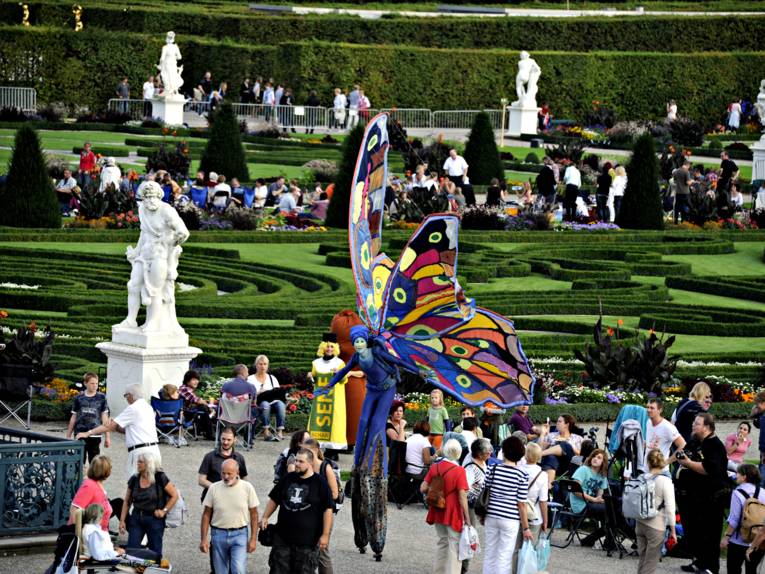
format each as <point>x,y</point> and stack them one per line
<point>15,394</point>
<point>168,418</point>
<point>199,196</point>
<point>235,411</point>
<point>249,197</point>
<point>403,488</point>
<point>576,519</point>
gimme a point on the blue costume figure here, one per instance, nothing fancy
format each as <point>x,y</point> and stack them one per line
<point>416,317</point>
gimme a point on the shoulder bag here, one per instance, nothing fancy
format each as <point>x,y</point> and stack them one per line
<point>481,507</point>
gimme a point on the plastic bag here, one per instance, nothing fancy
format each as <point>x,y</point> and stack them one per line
<point>543,552</point>
<point>527,559</point>
<point>469,545</point>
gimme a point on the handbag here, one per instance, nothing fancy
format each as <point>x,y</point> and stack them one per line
<point>531,507</point>
<point>266,535</point>
<point>481,507</point>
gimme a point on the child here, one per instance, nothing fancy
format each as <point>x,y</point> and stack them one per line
<point>89,411</point>
<point>169,392</point>
<point>437,417</point>
<point>98,543</point>
<point>592,475</point>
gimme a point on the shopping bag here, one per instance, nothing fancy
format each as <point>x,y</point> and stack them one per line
<point>543,552</point>
<point>527,559</point>
<point>469,545</point>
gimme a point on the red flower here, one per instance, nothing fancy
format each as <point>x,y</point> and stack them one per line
<point>610,332</point>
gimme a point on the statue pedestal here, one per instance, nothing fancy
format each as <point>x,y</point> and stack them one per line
<point>758,159</point>
<point>523,120</point>
<point>169,110</point>
<point>159,361</point>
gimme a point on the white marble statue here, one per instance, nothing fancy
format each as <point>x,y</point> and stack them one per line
<point>168,67</point>
<point>155,263</point>
<point>526,81</point>
<point>110,175</point>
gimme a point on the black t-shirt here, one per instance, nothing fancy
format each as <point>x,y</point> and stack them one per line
<point>604,183</point>
<point>711,454</point>
<point>546,181</point>
<point>213,462</point>
<point>728,167</point>
<point>88,411</point>
<point>302,503</point>
<point>151,498</point>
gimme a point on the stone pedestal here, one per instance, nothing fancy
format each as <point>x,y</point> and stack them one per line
<point>758,160</point>
<point>150,359</point>
<point>169,110</point>
<point>523,120</point>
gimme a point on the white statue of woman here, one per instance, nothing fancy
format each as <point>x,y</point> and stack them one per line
<point>760,105</point>
<point>526,81</point>
<point>168,66</point>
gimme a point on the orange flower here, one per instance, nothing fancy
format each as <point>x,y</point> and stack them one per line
<point>3,314</point>
<point>619,322</point>
<point>610,332</point>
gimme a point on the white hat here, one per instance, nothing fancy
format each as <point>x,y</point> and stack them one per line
<point>213,176</point>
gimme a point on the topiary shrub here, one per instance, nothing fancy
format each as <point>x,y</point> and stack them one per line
<point>337,212</point>
<point>224,152</point>
<point>481,152</point>
<point>531,157</point>
<point>687,132</point>
<point>29,199</point>
<point>641,206</point>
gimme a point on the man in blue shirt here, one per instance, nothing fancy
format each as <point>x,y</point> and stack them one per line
<point>238,385</point>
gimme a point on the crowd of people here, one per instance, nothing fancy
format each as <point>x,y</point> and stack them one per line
<point>502,473</point>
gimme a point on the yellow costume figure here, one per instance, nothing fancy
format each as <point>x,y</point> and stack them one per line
<point>327,422</point>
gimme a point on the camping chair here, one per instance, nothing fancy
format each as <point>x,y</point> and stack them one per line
<point>235,411</point>
<point>576,519</point>
<point>15,394</point>
<point>168,418</point>
<point>248,197</point>
<point>403,488</point>
<point>199,196</point>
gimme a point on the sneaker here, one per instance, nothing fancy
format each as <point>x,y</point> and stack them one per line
<point>272,438</point>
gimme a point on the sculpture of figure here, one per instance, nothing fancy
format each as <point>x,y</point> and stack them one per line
<point>155,263</point>
<point>168,66</point>
<point>760,104</point>
<point>526,81</point>
<point>110,175</point>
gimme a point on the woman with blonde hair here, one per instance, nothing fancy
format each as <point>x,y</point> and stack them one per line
<point>699,400</point>
<point>537,495</point>
<point>650,531</point>
<point>437,418</point>
<point>616,192</point>
<point>265,382</point>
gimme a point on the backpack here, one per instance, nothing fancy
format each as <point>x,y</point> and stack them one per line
<point>436,497</point>
<point>639,497</point>
<point>752,514</point>
<point>280,468</point>
<point>340,492</point>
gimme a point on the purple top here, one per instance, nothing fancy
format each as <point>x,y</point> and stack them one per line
<point>737,506</point>
<point>521,422</point>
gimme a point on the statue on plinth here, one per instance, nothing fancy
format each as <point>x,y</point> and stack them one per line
<point>168,67</point>
<point>526,81</point>
<point>155,263</point>
<point>760,105</point>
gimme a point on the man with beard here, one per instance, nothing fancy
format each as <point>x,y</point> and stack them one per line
<point>701,494</point>
<point>305,518</point>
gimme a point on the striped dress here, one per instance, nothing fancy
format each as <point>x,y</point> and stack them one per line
<point>508,485</point>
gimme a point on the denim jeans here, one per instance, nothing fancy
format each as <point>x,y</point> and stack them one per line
<point>229,550</point>
<point>265,411</point>
<point>141,525</point>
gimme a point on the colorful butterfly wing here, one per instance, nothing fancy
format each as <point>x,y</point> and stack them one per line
<point>479,361</point>
<point>423,298</point>
<point>371,269</point>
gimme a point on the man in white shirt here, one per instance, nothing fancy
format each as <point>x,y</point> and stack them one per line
<point>137,422</point>
<point>456,167</point>
<point>230,507</point>
<point>221,193</point>
<point>660,433</point>
<point>573,180</point>
<point>65,188</point>
<point>148,94</point>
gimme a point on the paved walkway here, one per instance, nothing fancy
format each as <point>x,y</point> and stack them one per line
<point>410,542</point>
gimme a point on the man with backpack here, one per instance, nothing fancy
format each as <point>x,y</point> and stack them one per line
<point>702,494</point>
<point>747,514</point>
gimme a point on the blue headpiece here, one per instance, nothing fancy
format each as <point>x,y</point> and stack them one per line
<point>359,331</point>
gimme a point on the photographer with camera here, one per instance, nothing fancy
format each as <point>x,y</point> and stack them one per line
<point>700,483</point>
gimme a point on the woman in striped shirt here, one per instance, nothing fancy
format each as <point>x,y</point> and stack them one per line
<point>506,512</point>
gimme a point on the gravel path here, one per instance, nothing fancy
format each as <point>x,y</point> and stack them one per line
<point>410,542</point>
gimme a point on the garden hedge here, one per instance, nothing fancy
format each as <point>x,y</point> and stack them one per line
<point>84,67</point>
<point>679,33</point>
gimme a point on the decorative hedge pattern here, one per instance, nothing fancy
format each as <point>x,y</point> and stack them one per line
<point>84,67</point>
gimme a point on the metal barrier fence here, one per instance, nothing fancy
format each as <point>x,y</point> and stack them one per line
<point>24,99</point>
<point>320,117</point>
<point>41,475</point>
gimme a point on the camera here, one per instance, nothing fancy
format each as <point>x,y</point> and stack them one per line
<point>680,455</point>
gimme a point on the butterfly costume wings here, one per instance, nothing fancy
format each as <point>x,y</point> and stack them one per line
<point>416,305</point>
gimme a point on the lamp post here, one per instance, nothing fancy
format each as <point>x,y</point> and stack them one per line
<point>504,102</point>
